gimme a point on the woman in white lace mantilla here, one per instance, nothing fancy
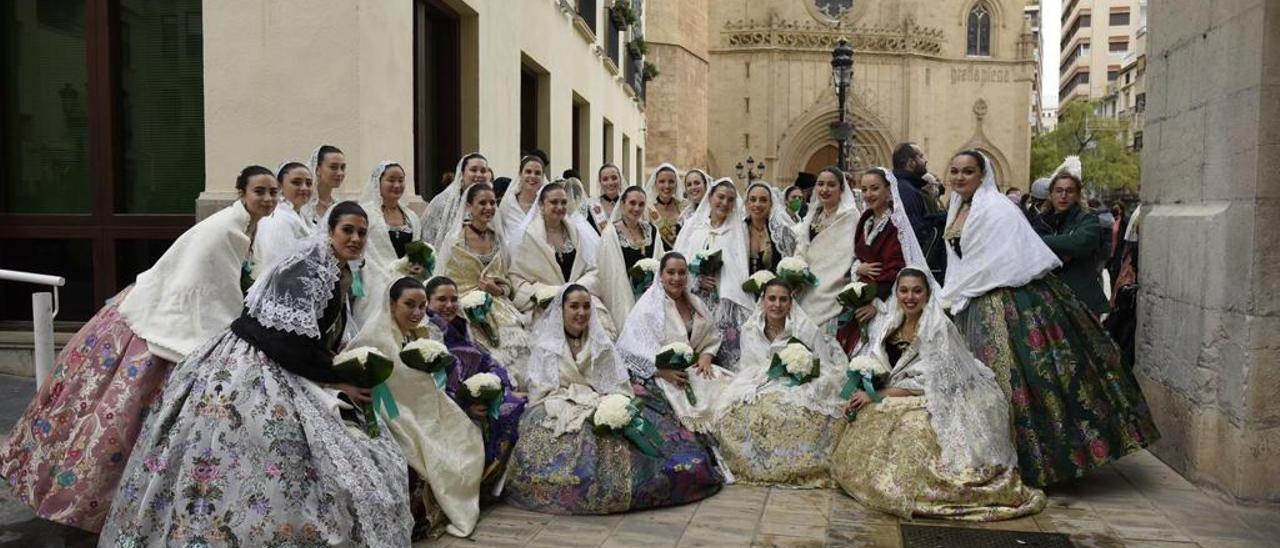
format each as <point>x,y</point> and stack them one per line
<point>520,199</point>
<point>473,254</point>
<point>246,448</point>
<point>719,226</point>
<point>769,229</point>
<point>600,209</point>
<point>668,313</point>
<point>391,228</point>
<point>447,210</point>
<point>329,167</point>
<point>555,249</point>
<point>628,238</point>
<point>935,440</point>
<point>561,464</point>
<point>665,189</point>
<point>825,241</point>
<point>280,233</point>
<point>772,430</point>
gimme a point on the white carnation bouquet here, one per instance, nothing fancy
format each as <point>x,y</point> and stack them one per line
<point>417,254</point>
<point>677,356</point>
<point>618,413</point>
<point>475,306</point>
<point>428,356</point>
<point>543,295</point>
<point>484,388</point>
<point>366,367</point>
<point>642,275</point>
<point>796,272</point>
<point>796,362</point>
<point>755,283</point>
<point>865,373</point>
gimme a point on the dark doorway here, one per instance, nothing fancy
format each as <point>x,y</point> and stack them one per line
<point>437,113</point>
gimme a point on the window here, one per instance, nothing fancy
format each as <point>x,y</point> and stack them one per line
<point>581,134</point>
<point>535,106</point>
<point>101,141</point>
<point>1140,102</point>
<point>626,154</point>
<point>607,136</point>
<point>979,42</point>
<point>438,89</point>
<point>639,165</point>
<point>1112,74</point>
<point>1085,20</point>
<point>587,11</point>
<point>1121,46</point>
<point>1119,18</point>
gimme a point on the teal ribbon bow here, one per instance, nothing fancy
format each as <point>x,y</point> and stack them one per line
<point>357,284</point>
<point>441,376</point>
<point>854,381</point>
<point>383,399</point>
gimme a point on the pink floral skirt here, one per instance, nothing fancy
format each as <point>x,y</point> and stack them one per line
<point>66,454</point>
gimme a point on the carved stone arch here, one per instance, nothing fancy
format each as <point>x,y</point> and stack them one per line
<point>810,132</point>
<point>996,9</point>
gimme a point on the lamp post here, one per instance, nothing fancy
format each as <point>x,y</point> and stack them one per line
<point>749,172</point>
<point>842,77</point>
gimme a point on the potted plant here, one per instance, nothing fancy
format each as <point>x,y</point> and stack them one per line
<point>650,71</point>
<point>622,14</point>
<point>637,47</point>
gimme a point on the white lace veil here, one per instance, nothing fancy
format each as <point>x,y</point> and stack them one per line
<point>998,246</point>
<point>645,330</point>
<point>588,240</point>
<point>695,236</point>
<point>510,218</point>
<point>779,222</point>
<point>309,213</point>
<point>379,249</point>
<point>447,209</point>
<point>693,206</point>
<point>847,201</point>
<point>454,234</point>
<point>549,348</point>
<point>651,184</point>
<point>292,294</point>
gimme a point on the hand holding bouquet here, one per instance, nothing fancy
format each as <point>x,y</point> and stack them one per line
<point>428,356</point>
<point>853,296</point>
<point>865,373</point>
<point>543,295</point>
<point>366,367</point>
<point>707,263</point>
<point>476,305</point>
<point>484,388</point>
<point>418,262</point>
<point>796,362</point>
<point>677,357</point>
<point>618,413</point>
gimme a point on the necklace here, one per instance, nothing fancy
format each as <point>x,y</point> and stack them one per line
<point>481,232</point>
<point>612,200</point>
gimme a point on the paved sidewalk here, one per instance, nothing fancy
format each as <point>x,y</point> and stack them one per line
<point>1138,502</point>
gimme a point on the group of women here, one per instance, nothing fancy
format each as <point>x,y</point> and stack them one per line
<point>202,405</point>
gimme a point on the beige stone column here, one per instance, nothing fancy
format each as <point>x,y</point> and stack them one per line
<point>1209,333</point>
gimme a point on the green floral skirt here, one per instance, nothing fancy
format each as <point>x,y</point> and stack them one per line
<point>1074,404</point>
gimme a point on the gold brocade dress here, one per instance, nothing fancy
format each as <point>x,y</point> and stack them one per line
<point>504,335</point>
<point>889,459</point>
<point>668,229</point>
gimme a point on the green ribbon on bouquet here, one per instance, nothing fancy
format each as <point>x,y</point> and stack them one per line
<point>382,398</point>
<point>644,435</point>
<point>853,382</point>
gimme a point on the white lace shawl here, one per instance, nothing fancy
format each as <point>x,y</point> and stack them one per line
<point>291,295</point>
<point>607,373</point>
<point>651,189</point>
<point>447,210</point>
<point>730,238</point>
<point>683,189</point>
<point>830,255</point>
<point>968,411</point>
<point>593,208</point>
<point>379,253</point>
<point>586,239</point>
<point>614,282</point>
<point>820,395</point>
<point>193,291</point>
<point>510,216</point>
<point>780,225</point>
<point>999,248</point>
<point>278,235</point>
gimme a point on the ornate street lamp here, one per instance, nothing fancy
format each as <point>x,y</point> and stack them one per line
<point>842,77</point>
<point>749,172</point>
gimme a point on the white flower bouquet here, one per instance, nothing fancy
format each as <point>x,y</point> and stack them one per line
<point>417,253</point>
<point>617,413</point>
<point>475,306</point>
<point>642,275</point>
<point>430,357</point>
<point>795,362</point>
<point>865,373</point>
<point>366,367</point>
<point>677,356</point>
<point>485,388</point>
<point>543,295</point>
<point>755,283</point>
<point>796,272</point>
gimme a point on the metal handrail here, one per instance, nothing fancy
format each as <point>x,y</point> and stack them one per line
<point>44,307</point>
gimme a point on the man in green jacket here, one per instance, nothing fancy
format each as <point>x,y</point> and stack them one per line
<point>1074,234</point>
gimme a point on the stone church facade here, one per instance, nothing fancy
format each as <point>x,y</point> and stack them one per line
<point>744,78</point>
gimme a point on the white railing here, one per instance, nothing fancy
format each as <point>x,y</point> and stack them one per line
<point>44,307</point>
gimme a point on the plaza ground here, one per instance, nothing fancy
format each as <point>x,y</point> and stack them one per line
<point>1138,502</point>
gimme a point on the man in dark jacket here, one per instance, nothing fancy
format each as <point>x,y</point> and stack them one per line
<point>927,219</point>
<point>1073,233</point>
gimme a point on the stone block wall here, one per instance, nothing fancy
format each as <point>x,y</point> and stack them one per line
<point>676,105</point>
<point>1209,309</point>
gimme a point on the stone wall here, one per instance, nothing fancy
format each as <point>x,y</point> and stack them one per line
<point>676,106</point>
<point>1209,333</point>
